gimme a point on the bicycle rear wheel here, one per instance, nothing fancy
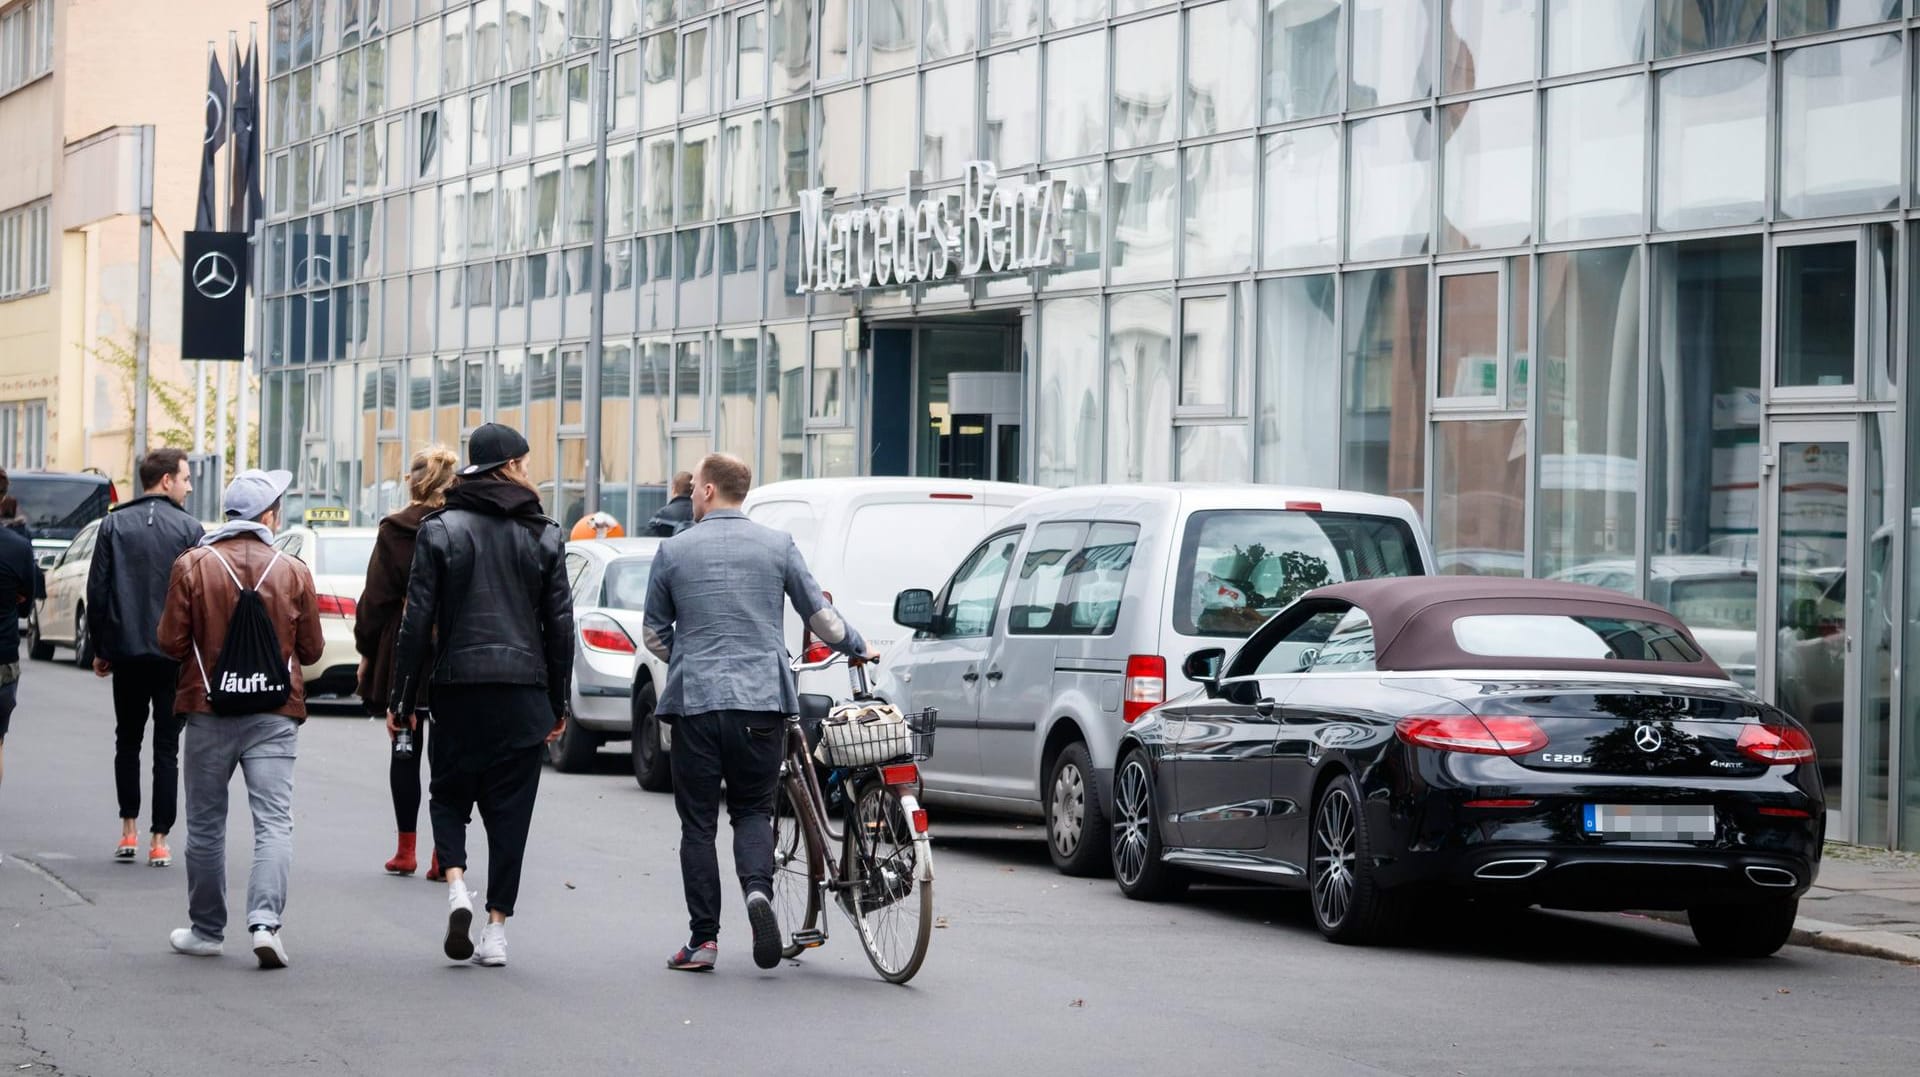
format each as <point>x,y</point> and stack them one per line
<point>796,899</point>
<point>891,907</point>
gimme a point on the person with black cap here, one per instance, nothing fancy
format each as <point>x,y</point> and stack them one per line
<point>489,622</point>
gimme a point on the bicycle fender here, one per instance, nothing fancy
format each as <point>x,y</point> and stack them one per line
<point>922,843</point>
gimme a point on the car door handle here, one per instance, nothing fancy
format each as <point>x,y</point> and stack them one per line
<point>993,676</point>
<point>1264,708</point>
<point>970,676</point>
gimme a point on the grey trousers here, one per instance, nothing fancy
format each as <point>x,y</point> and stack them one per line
<point>262,747</point>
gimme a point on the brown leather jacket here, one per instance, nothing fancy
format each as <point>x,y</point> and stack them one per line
<point>376,623</point>
<point>200,599</point>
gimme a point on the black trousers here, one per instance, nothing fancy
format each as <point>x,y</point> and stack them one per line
<point>503,786</point>
<point>143,689</point>
<point>403,777</point>
<point>743,749</point>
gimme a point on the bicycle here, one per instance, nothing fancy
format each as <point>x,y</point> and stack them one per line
<point>882,873</point>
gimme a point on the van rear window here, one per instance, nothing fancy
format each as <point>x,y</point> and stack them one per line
<point>1239,567</point>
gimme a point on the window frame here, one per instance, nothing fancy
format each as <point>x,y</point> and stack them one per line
<point>1496,401</point>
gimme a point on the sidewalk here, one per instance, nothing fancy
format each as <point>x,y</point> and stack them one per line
<point>1865,901</point>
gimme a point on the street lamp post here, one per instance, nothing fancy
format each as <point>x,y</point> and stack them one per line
<point>597,270</point>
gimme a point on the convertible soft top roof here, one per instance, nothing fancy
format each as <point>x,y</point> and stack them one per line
<point>1413,622</point>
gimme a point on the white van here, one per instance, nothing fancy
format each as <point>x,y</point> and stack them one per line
<point>866,539</point>
<point>1035,673</point>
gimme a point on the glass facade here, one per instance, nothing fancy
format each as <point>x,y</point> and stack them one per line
<point>1617,292</point>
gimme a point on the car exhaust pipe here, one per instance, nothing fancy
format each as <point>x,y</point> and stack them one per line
<point>1766,876</point>
<point>1508,870</point>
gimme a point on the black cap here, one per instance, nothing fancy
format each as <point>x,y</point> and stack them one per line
<point>493,446</point>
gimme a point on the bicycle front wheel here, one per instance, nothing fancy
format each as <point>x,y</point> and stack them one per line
<point>890,905</point>
<point>796,898</point>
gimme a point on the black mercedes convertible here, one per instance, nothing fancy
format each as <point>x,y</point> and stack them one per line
<point>1515,742</point>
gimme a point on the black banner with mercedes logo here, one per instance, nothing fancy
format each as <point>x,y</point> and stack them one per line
<point>213,303</point>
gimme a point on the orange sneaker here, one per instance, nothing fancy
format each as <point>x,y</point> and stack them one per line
<point>159,856</point>
<point>129,848</point>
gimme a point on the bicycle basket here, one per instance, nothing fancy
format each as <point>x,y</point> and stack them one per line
<point>868,734</point>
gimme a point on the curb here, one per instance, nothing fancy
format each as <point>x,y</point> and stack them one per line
<point>1837,938</point>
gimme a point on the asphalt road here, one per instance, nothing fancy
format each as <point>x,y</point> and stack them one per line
<point>1034,972</point>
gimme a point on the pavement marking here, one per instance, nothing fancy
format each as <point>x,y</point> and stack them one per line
<point>58,883</point>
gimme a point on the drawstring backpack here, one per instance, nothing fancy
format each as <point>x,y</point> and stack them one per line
<point>249,674</point>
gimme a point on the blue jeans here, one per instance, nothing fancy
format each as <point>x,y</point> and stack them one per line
<point>262,747</point>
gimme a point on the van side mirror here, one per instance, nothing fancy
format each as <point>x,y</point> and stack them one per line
<point>1203,667</point>
<point>913,608</point>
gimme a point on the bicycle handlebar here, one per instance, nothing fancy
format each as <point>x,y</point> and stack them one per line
<point>856,672</point>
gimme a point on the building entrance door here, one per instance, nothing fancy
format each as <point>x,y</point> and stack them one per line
<point>1812,629</point>
<point>947,400</point>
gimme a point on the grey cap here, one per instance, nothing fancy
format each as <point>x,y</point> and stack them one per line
<point>253,492</point>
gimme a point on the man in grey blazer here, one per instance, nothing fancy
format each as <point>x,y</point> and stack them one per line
<point>715,610</point>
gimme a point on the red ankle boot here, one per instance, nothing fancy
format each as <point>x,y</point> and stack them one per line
<point>404,861</point>
<point>434,874</point>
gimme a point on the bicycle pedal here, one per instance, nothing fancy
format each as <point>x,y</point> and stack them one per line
<point>810,939</point>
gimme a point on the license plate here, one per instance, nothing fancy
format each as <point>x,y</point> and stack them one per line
<point>1651,822</point>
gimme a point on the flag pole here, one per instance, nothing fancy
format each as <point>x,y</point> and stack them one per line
<point>143,350</point>
<point>221,377</point>
<point>200,367</point>
<point>254,311</point>
<point>590,387</point>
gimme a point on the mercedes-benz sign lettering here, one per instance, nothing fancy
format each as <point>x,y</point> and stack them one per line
<point>1647,738</point>
<point>215,276</point>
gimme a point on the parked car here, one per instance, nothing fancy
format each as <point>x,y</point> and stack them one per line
<point>1520,742</point>
<point>615,680</point>
<point>60,619</point>
<point>866,539</point>
<point>1036,673</point>
<point>337,557</point>
<point>58,505</point>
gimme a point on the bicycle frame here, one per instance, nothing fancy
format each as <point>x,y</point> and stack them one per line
<point>829,872</point>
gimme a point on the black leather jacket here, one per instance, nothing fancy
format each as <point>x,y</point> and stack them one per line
<point>133,559</point>
<point>674,517</point>
<point>487,601</point>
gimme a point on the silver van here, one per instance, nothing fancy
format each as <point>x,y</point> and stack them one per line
<point>1036,672</point>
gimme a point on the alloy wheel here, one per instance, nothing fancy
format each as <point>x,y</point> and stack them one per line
<point>1069,813</point>
<point>1333,858</point>
<point>1132,803</point>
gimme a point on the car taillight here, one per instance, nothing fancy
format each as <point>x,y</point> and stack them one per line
<point>113,494</point>
<point>335,606</point>
<point>602,633</point>
<point>1787,813</point>
<point>1776,744</point>
<point>900,774</point>
<point>1494,735</point>
<point>1146,685</point>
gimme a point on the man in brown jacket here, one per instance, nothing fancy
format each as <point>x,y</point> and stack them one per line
<point>201,598</point>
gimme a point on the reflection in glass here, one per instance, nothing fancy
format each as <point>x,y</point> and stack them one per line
<point>1301,217</point>
<point>1487,43</point>
<point>1589,429</point>
<point>1585,36</point>
<point>1809,659</point>
<point>893,34</point>
<point>1076,95</point>
<point>699,168</point>
<point>689,364</point>
<point>1487,163</point>
<point>697,276</point>
<point>1819,300</point>
<point>947,139</point>
<point>656,182</point>
<point>1596,158</point>
<point>952,27</point>
<point>791,46</point>
<point>1303,59</point>
<point>1392,51</point>
<point>1206,352</point>
<point>1010,20</point>
<point>1469,337</point>
<point>696,76</point>
<point>834,37</point>
<point>890,120</point>
<point>738,375</point>
<point>1839,128</point>
<point>1067,445</point>
<point>1213,452</point>
<point>1140,387</point>
<point>749,56</point>
<point>837,134</point>
<point>1383,429</point>
<point>1297,383</point>
<point>1879,607</point>
<point>1083,218</point>
<point>659,86</point>
<point>1145,200</point>
<point>740,271</point>
<point>1813,16</point>
<point>746,168</point>
<point>783,403</point>
<point>829,360</point>
<point>1713,144</point>
<point>1219,204</point>
<point>1223,65</point>
<point>1480,497</point>
<point>1143,82</point>
<point>1685,26</point>
<point>787,153</point>
<point>1013,81</point>
<point>1066,14</point>
<point>1390,203</point>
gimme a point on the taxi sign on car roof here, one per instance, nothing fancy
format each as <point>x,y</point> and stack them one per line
<point>327,515</point>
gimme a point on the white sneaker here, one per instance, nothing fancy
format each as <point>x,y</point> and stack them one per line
<point>492,951</point>
<point>269,949</point>
<point>186,941</point>
<point>459,945</point>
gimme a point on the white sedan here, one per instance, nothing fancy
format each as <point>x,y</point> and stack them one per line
<point>337,557</point>
<point>614,678</point>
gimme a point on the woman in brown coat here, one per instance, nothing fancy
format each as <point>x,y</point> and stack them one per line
<point>376,627</point>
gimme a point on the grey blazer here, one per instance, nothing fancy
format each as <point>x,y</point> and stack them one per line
<point>716,604</point>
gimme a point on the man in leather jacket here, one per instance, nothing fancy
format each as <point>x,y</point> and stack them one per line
<point>133,558</point>
<point>490,620</point>
<point>676,515</point>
